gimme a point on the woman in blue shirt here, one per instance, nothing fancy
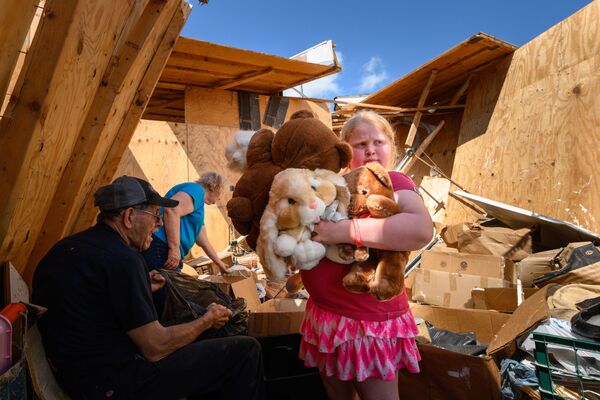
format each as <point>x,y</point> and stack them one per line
<point>184,224</point>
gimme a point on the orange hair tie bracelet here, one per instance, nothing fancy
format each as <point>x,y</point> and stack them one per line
<point>357,239</point>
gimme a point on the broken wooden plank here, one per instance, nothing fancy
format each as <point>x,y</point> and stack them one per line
<point>422,147</point>
<point>461,91</point>
<point>417,118</point>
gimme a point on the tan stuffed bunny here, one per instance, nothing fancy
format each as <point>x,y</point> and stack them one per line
<point>297,200</point>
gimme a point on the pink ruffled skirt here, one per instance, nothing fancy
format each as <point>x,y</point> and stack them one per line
<point>354,349</point>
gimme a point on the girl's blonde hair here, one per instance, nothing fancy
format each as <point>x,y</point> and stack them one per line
<point>212,181</point>
<point>370,117</point>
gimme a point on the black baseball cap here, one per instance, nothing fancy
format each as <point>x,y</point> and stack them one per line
<point>128,191</point>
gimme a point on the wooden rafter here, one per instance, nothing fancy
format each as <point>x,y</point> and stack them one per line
<point>244,78</point>
<point>16,16</point>
<point>417,118</point>
<point>423,146</point>
<point>461,91</point>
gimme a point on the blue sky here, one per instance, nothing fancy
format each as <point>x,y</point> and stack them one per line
<point>376,41</point>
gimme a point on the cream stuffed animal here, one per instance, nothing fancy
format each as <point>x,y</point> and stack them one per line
<point>297,200</point>
<point>236,150</point>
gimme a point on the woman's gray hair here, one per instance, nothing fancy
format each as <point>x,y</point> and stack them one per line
<point>212,181</point>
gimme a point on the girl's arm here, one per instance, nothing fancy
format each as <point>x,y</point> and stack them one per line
<point>410,230</point>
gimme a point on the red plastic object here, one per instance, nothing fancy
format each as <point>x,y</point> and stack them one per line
<point>12,311</point>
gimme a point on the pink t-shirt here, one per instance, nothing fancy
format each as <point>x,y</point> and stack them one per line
<point>324,283</point>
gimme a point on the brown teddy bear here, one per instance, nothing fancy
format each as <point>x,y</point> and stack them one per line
<point>302,142</point>
<point>372,194</point>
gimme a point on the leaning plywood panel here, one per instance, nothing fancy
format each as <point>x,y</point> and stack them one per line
<point>532,139</point>
<point>61,73</point>
<point>85,213</point>
<point>167,153</point>
<point>111,103</point>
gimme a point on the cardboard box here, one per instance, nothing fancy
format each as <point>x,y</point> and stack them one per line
<point>450,233</point>
<point>449,375</point>
<point>237,286</point>
<point>277,317</point>
<point>471,264</point>
<point>512,244</point>
<point>205,265</point>
<point>498,299</point>
<point>526,316</point>
<point>536,265</point>
<point>449,289</point>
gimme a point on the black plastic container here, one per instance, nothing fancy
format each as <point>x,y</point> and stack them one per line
<point>286,377</point>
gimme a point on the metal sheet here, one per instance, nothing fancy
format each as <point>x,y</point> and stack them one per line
<point>554,233</point>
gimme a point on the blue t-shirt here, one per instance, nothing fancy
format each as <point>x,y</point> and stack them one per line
<point>190,225</point>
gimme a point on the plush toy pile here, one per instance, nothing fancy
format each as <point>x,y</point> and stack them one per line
<point>302,142</point>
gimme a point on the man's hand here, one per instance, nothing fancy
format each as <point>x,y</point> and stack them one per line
<point>173,259</point>
<point>157,281</point>
<point>217,315</point>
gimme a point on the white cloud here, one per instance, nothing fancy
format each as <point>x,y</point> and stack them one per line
<point>325,87</point>
<point>373,74</point>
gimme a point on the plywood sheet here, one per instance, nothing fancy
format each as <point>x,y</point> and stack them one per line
<point>167,154</point>
<point>537,145</point>
<point>216,107</point>
<point>70,46</point>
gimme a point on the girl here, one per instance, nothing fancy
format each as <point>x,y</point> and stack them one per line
<point>357,342</point>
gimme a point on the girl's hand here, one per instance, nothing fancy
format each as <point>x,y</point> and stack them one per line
<point>328,232</point>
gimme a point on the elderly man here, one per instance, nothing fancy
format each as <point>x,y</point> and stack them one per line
<point>101,331</point>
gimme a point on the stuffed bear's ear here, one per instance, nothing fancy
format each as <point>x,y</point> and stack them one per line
<point>259,148</point>
<point>302,114</point>
<point>380,173</point>
<point>345,152</point>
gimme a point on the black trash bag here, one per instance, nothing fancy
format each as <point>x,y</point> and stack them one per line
<point>187,298</point>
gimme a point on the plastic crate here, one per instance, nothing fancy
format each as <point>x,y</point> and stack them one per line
<point>286,377</point>
<point>555,381</point>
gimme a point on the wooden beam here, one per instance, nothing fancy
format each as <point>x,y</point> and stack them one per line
<point>96,127</point>
<point>422,147</point>
<point>85,215</point>
<point>243,79</point>
<point>417,119</point>
<point>75,38</point>
<point>461,91</point>
<point>15,21</point>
